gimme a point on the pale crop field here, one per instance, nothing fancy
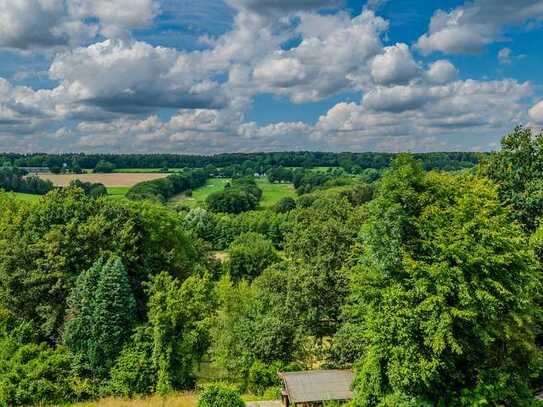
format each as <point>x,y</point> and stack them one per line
<point>109,180</point>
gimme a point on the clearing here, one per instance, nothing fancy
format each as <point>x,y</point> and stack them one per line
<point>271,193</point>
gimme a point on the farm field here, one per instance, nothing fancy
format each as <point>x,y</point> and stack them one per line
<point>271,193</point>
<point>109,180</point>
<point>174,400</point>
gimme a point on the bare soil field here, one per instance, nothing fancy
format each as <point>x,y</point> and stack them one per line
<point>109,180</point>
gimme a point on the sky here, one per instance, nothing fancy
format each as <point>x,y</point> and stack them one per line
<point>214,76</point>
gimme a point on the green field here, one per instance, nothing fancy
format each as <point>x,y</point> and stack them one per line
<point>25,197</point>
<point>271,193</point>
<point>117,192</point>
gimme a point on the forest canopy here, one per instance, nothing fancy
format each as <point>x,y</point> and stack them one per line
<point>426,283</point>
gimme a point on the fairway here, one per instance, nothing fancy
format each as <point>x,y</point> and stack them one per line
<point>271,193</point>
<point>109,180</point>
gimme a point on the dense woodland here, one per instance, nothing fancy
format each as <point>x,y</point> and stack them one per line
<point>247,163</point>
<point>427,283</point>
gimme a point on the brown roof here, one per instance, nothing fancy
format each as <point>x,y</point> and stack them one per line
<point>318,385</point>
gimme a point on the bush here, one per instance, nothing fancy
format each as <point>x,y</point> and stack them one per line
<point>263,377</point>
<point>218,396</point>
<point>34,374</point>
<point>133,373</point>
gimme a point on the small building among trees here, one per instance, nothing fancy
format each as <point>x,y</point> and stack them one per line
<point>314,387</point>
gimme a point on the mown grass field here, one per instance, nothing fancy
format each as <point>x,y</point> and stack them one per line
<point>271,193</point>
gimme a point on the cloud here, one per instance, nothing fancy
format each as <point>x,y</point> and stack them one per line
<point>536,113</point>
<point>306,73</point>
<point>504,55</point>
<point>470,113</point>
<point>474,25</point>
<point>278,7</point>
<point>441,71</point>
<point>134,77</point>
<point>395,66</point>
<point>31,25</point>
<point>39,24</point>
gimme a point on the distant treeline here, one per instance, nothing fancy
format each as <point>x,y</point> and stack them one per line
<point>256,162</point>
<point>164,188</point>
<point>17,180</point>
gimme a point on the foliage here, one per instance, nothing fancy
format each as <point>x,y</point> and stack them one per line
<point>163,189</point>
<point>249,255</point>
<point>104,167</point>
<point>47,244</point>
<point>240,196</point>
<point>263,376</point>
<point>443,296</point>
<point>217,396</point>
<point>94,190</point>
<point>229,165</point>
<point>17,180</point>
<point>518,171</point>
<point>101,309</point>
<point>32,373</point>
<point>177,315</point>
<point>133,373</point>
<point>285,205</point>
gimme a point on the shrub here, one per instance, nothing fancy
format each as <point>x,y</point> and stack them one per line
<point>133,373</point>
<point>218,396</point>
<point>263,377</point>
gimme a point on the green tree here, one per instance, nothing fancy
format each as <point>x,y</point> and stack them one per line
<point>46,245</point>
<point>217,396</point>
<point>443,298</point>
<point>249,255</point>
<point>518,170</point>
<point>178,315</point>
<point>101,311</point>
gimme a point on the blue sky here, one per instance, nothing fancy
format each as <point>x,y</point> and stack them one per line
<point>214,76</point>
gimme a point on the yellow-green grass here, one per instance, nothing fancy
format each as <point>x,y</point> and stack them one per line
<point>271,193</point>
<point>117,192</point>
<point>25,197</point>
<point>173,400</point>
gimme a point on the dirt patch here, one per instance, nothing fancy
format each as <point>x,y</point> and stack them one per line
<point>109,180</point>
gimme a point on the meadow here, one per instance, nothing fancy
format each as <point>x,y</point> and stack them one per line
<point>271,193</point>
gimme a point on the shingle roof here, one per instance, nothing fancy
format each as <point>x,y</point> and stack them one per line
<point>318,385</point>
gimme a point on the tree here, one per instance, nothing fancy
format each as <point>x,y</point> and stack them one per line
<point>443,297</point>
<point>104,167</point>
<point>285,205</point>
<point>54,240</point>
<point>101,311</point>
<point>518,171</point>
<point>249,255</point>
<point>177,315</point>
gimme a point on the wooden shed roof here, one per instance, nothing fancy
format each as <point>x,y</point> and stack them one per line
<point>318,385</point>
